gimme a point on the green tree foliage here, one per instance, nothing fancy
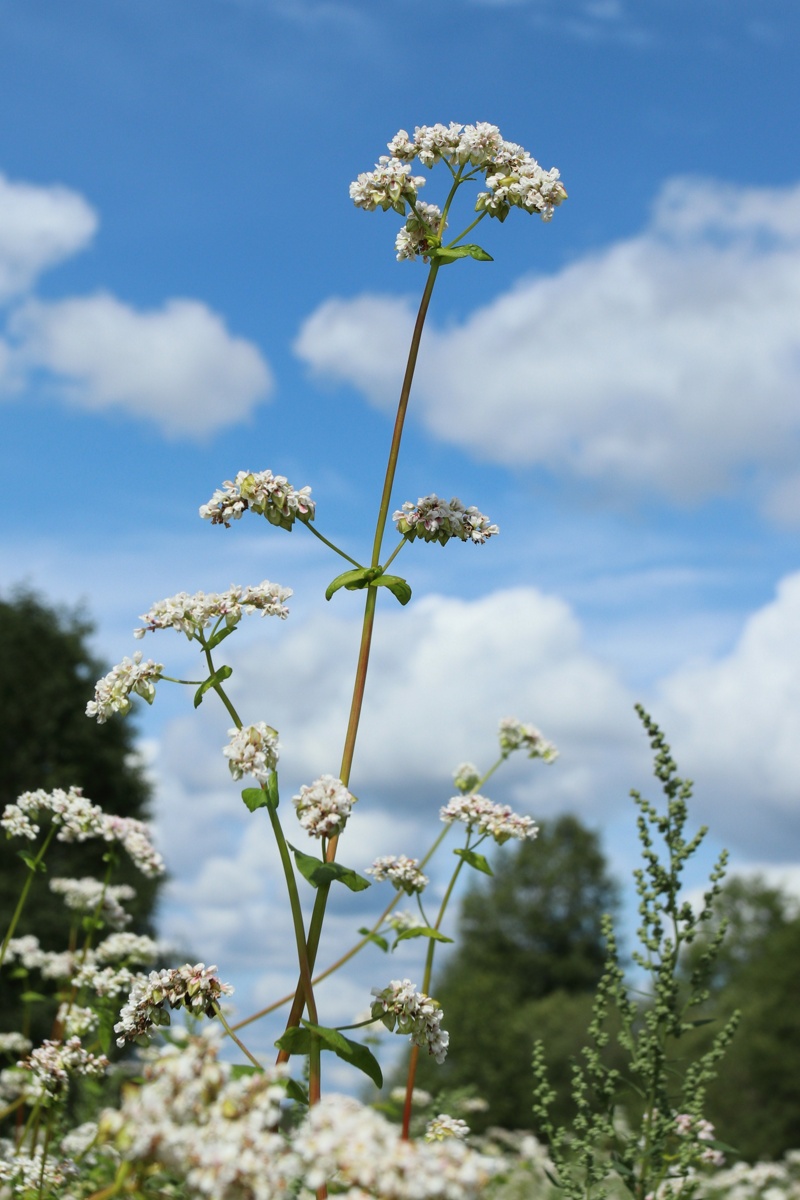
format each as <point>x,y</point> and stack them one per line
<point>755,1100</point>
<point>529,954</point>
<point>47,675</point>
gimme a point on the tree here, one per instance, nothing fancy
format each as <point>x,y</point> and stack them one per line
<point>755,1100</point>
<point>47,675</point>
<point>529,954</point>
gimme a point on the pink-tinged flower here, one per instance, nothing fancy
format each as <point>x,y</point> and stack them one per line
<point>324,806</point>
<point>497,821</point>
<point>436,520</point>
<point>402,1007</point>
<point>389,185</point>
<point>252,750</point>
<point>191,614</point>
<point>516,736</point>
<point>268,495</point>
<point>75,815</point>
<point>403,873</point>
<point>197,989</point>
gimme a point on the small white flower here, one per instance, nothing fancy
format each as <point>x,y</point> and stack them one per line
<point>402,872</point>
<point>400,1005</point>
<point>514,735</point>
<point>389,185</point>
<point>466,777</point>
<point>190,614</point>
<point>112,692</point>
<point>436,520</point>
<point>324,806</point>
<point>442,1127</point>
<point>252,750</point>
<point>196,989</point>
<point>268,495</point>
<point>84,895</point>
<point>499,821</point>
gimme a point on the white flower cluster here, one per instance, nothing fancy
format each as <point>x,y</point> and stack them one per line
<point>189,614</point>
<point>127,947</point>
<point>135,838</point>
<point>403,873</point>
<point>195,988</point>
<point>26,1171</point>
<point>106,982</point>
<point>340,1140</point>
<point>53,965</point>
<point>479,145</point>
<point>700,1130</point>
<point>112,693</point>
<point>324,806</point>
<point>466,777</point>
<point>78,820</point>
<point>76,1020</point>
<point>76,817</point>
<point>499,821</point>
<point>401,1005</point>
<point>422,231</point>
<point>513,177</point>
<point>252,750</point>
<point>268,495</point>
<point>222,1139</point>
<point>52,1063</point>
<point>403,920</point>
<point>436,520</point>
<point>516,736</point>
<point>390,185</point>
<point>442,1127</point>
<point>84,895</point>
<point>14,1043</point>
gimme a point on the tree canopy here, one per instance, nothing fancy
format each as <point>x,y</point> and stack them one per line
<point>47,675</point>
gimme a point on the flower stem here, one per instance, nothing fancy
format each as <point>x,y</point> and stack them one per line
<point>26,887</point>
<point>234,1038</point>
<point>332,545</point>
<point>359,686</point>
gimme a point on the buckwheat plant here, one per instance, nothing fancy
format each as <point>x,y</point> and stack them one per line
<point>194,1124</point>
<point>663,1154</point>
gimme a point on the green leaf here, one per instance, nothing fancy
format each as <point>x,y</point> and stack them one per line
<point>352,1052</point>
<point>218,676</point>
<point>475,860</point>
<point>448,254</point>
<point>298,1041</point>
<point>295,1091</point>
<point>256,798</point>
<point>397,586</point>
<point>352,580</point>
<point>422,931</point>
<point>318,872</point>
<point>220,636</point>
<point>32,997</point>
<point>375,937</point>
<point>30,861</point>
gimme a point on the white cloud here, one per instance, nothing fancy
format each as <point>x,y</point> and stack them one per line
<point>734,723</point>
<point>177,366</point>
<point>668,362</point>
<point>39,227</point>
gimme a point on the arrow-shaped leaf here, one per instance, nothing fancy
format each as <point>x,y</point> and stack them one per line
<point>220,636</point>
<point>397,586</point>
<point>475,860</point>
<point>422,931</point>
<point>352,580</point>
<point>375,937</point>
<point>218,676</point>
<point>318,872</point>
<point>298,1041</point>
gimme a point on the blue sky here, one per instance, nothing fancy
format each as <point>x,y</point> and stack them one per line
<point>186,290</point>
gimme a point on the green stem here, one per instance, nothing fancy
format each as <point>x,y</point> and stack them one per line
<point>233,1036</point>
<point>332,546</point>
<point>464,232</point>
<point>394,553</point>
<point>297,914</point>
<point>359,686</point>
<point>26,887</point>
<point>352,952</point>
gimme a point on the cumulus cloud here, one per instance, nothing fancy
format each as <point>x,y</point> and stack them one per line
<point>177,366</point>
<point>734,724</point>
<point>39,227</point>
<point>669,362</point>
